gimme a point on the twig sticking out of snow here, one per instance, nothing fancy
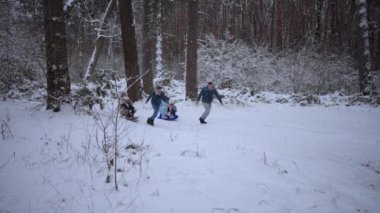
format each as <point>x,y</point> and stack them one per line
<point>5,130</point>
<point>10,158</point>
<point>274,165</point>
<point>264,159</point>
<point>295,164</point>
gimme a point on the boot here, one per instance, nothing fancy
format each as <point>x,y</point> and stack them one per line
<point>202,121</point>
<point>150,121</point>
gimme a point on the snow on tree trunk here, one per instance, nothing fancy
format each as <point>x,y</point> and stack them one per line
<point>162,77</point>
<point>58,79</point>
<point>147,46</point>
<point>130,49</point>
<point>80,44</point>
<point>159,68</point>
<point>100,40</point>
<point>191,53</point>
<point>366,83</point>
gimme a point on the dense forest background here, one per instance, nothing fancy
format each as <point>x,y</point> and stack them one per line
<point>284,46</point>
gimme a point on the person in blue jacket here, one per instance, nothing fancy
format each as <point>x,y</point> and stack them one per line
<point>207,94</point>
<point>156,97</point>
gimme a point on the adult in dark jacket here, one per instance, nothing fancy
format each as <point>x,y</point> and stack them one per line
<point>156,97</point>
<point>207,94</point>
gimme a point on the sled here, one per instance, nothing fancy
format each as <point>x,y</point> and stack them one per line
<point>163,110</point>
<point>170,118</point>
<point>134,119</point>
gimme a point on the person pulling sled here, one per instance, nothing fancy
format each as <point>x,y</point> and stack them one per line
<point>156,97</point>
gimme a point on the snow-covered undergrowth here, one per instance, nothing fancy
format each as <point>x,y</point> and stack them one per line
<point>234,64</point>
<point>247,97</point>
<point>101,92</point>
<point>249,158</point>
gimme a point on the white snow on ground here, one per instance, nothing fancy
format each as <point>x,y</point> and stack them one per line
<point>259,158</point>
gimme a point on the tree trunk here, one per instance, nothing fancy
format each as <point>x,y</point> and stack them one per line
<point>191,57</point>
<point>278,44</point>
<point>272,26</point>
<point>159,66</point>
<point>148,42</point>
<point>244,18</point>
<point>81,44</point>
<point>339,23</point>
<point>214,21</point>
<point>332,14</point>
<point>350,26</point>
<point>58,79</point>
<point>374,20</point>
<point>130,50</point>
<point>366,84</point>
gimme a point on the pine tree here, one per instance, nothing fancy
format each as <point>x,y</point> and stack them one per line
<point>58,79</point>
<point>191,54</point>
<point>128,35</point>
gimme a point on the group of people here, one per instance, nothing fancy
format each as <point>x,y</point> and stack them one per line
<point>157,97</point>
<point>128,111</point>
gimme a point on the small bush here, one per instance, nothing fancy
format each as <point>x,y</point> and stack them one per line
<point>101,86</point>
<point>86,98</point>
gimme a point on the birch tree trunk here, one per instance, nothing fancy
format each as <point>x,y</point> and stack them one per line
<point>366,84</point>
<point>100,40</point>
<point>58,79</point>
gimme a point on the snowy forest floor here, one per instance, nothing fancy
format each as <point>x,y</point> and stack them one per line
<point>259,158</point>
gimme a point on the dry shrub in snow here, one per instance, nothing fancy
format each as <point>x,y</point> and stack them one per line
<point>5,130</point>
<point>307,71</point>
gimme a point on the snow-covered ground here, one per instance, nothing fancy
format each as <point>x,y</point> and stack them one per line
<point>259,158</point>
